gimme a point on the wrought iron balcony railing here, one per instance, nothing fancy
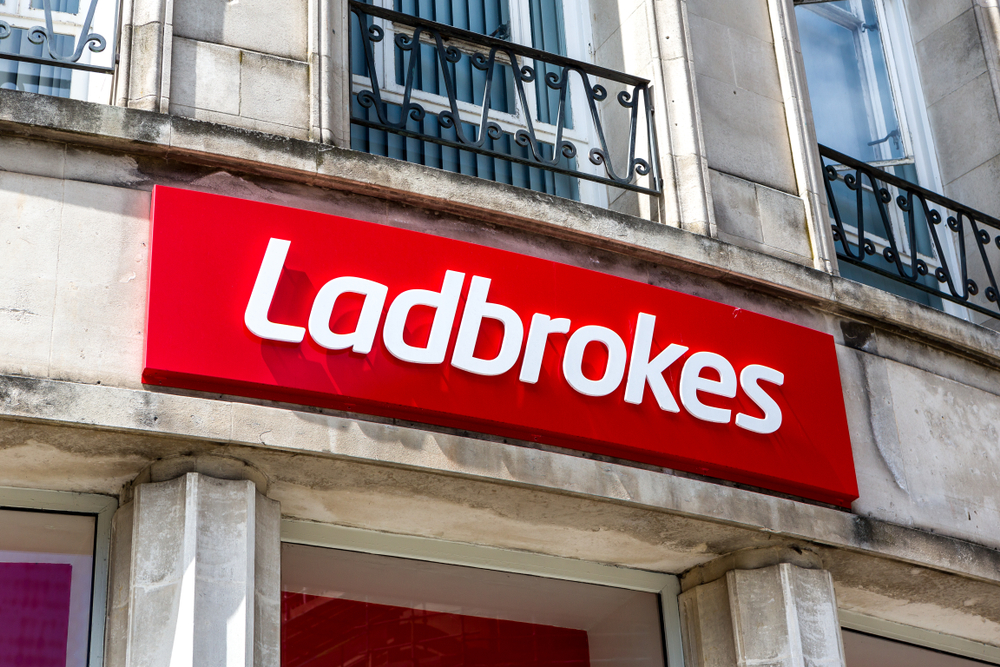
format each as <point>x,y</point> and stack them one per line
<point>552,107</point>
<point>911,235</point>
<point>69,37</point>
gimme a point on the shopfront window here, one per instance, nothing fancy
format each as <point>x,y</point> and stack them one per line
<point>347,608</point>
<point>46,576</point>
<point>863,650</point>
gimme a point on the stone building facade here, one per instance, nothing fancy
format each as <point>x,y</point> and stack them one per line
<point>201,504</point>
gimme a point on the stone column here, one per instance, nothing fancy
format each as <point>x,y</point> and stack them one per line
<point>146,51</point>
<point>778,615</point>
<point>195,576</point>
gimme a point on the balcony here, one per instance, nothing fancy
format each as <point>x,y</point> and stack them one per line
<point>449,97</point>
<point>65,48</point>
<point>921,241</point>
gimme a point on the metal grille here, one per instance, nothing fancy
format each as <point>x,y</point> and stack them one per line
<point>529,74</point>
<point>912,235</point>
<point>78,18</point>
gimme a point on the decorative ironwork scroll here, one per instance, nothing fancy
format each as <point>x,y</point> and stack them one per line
<point>913,235</point>
<point>637,169</point>
<point>86,40</point>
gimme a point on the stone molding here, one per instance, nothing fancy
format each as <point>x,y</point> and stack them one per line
<point>751,559</point>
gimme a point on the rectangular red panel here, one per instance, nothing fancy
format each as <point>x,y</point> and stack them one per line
<point>319,631</point>
<point>782,428</point>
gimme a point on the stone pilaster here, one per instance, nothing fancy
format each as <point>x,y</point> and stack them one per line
<point>780,615</point>
<point>195,576</point>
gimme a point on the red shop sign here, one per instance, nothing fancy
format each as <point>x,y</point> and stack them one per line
<point>271,302</point>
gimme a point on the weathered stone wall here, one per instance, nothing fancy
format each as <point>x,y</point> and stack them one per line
<point>247,64</point>
<point>243,63</point>
<point>955,67</point>
<point>761,193</point>
<point>920,386</point>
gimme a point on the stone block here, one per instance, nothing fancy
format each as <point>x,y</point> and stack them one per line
<point>755,65</point>
<point>605,20</point>
<point>638,30</point>
<point>148,11</point>
<point>926,16</point>
<point>29,244</point>
<point>707,625</point>
<point>780,615</point>
<point>950,57</point>
<point>735,202</point>
<point>713,57</point>
<point>947,435</point>
<point>274,90</point>
<point>119,576</point>
<point>205,76</point>
<point>746,135</point>
<point>966,128</point>
<point>783,221</point>
<point>99,316</point>
<point>267,580</point>
<point>750,17</point>
<point>39,158</point>
<point>197,137</point>
<point>84,164</point>
<point>277,28</point>
<point>669,28</point>
<point>978,188</point>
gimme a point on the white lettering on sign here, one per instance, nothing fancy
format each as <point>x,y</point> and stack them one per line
<point>643,371</point>
<point>477,308</point>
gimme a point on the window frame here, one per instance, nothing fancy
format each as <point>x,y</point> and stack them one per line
<point>876,117</point>
<point>919,637</point>
<point>102,508</point>
<point>666,586</point>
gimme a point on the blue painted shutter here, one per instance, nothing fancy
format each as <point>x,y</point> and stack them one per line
<point>484,17</point>
<point>29,77</point>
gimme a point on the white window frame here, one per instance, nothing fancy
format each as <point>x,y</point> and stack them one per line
<point>666,586</point>
<point>103,509</point>
<point>965,648</point>
<point>578,35</point>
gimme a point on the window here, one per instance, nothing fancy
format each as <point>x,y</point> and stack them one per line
<point>36,34</point>
<point>354,607</point>
<point>53,575</point>
<point>537,23</point>
<point>459,89</point>
<point>867,104</point>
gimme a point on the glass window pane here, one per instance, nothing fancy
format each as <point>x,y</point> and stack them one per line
<point>849,87</point>
<point>360,609</point>
<point>46,570</point>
